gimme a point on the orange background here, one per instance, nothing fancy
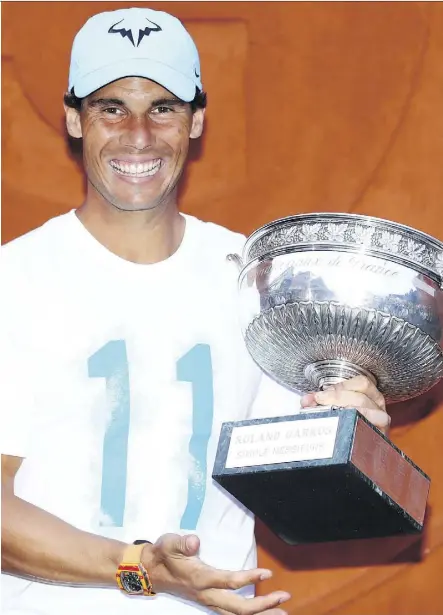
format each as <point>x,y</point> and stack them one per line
<point>312,106</point>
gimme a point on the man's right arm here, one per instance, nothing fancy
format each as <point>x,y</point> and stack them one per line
<point>40,546</point>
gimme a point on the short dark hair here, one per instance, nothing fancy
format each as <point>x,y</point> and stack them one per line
<point>199,101</point>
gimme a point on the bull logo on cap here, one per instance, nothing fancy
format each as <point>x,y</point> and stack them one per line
<point>128,31</point>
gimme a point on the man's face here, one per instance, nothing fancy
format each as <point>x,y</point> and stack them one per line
<point>135,142</point>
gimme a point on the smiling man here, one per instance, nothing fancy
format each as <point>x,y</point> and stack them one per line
<point>122,357</point>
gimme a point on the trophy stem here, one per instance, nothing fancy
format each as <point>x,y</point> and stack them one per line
<point>323,374</point>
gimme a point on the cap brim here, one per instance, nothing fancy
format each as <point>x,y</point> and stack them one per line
<point>179,84</point>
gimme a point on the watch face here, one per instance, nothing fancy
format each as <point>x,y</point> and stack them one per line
<point>131,582</point>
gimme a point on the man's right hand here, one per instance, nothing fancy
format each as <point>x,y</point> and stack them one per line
<point>175,568</point>
<point>91,561</point>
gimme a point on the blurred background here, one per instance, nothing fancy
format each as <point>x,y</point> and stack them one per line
<point>313,106</point>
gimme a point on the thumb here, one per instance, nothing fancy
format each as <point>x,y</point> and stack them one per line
<point>188,545</point>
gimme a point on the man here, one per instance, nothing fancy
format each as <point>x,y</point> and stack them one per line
<point>122,358</point>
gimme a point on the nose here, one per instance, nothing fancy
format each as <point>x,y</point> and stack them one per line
<point>138,133</point>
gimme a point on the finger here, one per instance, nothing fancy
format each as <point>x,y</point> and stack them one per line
<point>345,398</point>
<point>361,384</point>
<point>338,396</point>
<point>212,578</point>
<point>358,384</point>
<point>379,418</point>
<point>233,603</point>
<point>308,400</point>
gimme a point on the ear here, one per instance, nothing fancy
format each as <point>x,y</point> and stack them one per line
<point>73,124</point>
<point>197,123</point>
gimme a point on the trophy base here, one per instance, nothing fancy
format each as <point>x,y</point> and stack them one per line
<point>321,476</point>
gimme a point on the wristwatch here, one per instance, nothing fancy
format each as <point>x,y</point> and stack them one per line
<point>131,575</point>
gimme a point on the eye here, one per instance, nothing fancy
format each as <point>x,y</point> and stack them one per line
<point>112,111</point>
<point>162,110</point>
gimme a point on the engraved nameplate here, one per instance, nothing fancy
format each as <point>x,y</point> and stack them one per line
<point>282,442</point>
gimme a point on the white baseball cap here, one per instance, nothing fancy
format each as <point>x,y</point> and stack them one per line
<point>134,42</point>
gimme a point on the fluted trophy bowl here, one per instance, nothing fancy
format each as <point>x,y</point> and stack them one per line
<point>327,296</point>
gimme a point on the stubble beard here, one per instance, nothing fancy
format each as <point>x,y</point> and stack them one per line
<point>160,200</point>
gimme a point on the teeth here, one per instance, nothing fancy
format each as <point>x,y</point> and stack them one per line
<point>137,170</point>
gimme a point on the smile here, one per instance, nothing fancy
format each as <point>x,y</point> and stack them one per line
<point>132,169</point>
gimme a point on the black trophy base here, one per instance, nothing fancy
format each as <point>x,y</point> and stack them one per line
<point>365,488</point>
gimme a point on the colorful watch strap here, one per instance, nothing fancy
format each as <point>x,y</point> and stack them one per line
<point>132,559</point>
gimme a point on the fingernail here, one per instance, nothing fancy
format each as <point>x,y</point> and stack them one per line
<point>190,542</point>
<point>266,574</point>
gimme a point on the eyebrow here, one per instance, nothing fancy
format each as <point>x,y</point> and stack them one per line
<point>104,102</point>
<point>168,101</point>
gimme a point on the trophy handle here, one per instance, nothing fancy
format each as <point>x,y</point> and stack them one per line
<point>237,259</point>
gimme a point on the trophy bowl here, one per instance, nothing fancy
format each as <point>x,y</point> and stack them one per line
<point>328,296</point>
<point>325,297</point>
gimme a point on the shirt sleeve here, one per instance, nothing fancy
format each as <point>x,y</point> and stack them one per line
<point>273,400</point>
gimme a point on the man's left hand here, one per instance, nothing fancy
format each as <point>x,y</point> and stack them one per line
<point>358,392</point>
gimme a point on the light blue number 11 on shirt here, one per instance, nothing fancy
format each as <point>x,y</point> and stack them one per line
<point>111,362</point>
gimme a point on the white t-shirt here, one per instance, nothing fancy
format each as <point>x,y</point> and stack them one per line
<point>116,378</point>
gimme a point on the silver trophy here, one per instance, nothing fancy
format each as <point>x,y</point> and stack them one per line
<point>324,297</point>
